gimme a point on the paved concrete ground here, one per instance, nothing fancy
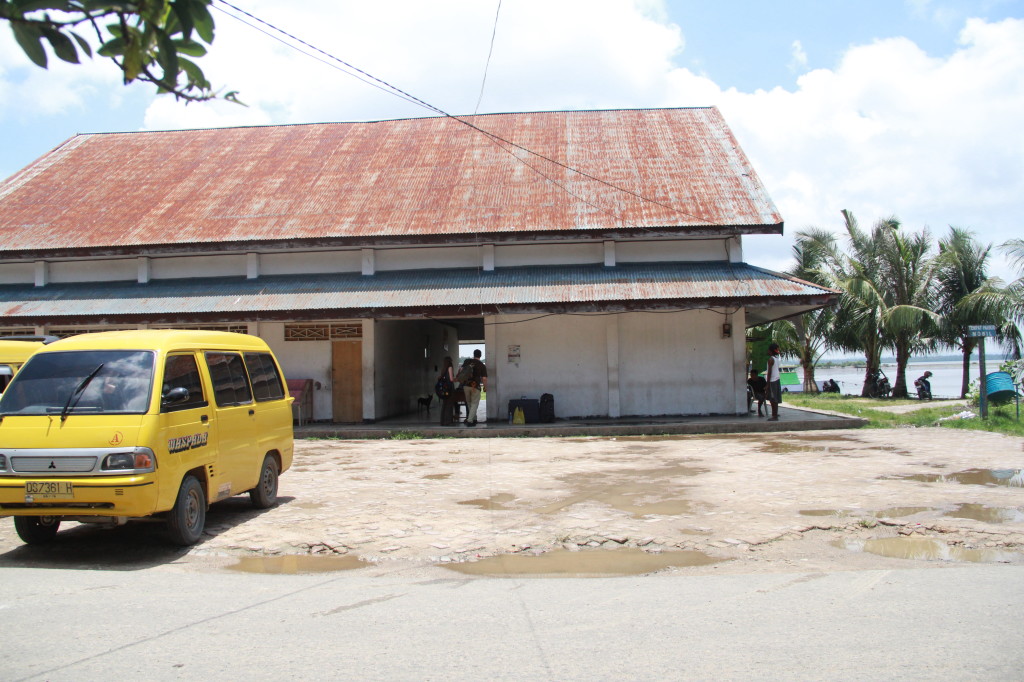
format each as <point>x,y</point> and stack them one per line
<point>810,500</point>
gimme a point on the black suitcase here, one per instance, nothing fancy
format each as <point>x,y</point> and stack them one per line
<point>547,408</point>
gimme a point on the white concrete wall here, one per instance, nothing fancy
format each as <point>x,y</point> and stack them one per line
<point>677,363</point>
<point>425,258</point>
<point>309,261</point>
<point>17,273</point>
<point>234,265</point>
<point>564,355</point>
<point>670,250</point>
<point>618,365</point>
<point>548,254</point>
<point>126,269</point>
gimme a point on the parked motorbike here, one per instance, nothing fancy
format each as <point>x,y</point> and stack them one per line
<point>877,384</point>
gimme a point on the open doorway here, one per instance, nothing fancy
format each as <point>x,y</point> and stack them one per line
<point>467,351</point>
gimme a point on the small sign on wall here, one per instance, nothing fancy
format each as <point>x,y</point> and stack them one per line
<point>513,352</point>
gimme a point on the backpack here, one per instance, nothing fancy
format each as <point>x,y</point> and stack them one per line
<point>465,372</point>
<point>444,387</point>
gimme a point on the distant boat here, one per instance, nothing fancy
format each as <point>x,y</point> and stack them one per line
<point>790,381</point>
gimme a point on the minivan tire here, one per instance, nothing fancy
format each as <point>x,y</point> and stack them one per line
<point>264,495</point>
<point>36,530</point>
<point>186,520</point>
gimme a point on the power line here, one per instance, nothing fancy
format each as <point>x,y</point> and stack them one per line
<point>387,87</point>
<point>487,65</point>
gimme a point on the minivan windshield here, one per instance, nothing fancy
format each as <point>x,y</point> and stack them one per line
<point>78,382</point>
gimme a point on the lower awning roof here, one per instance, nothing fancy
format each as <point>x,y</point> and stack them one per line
<point>420,293</point>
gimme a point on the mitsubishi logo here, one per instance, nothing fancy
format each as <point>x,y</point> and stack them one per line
<point>52,465</point>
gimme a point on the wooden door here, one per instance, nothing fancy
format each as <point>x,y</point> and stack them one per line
<point>347,379</point>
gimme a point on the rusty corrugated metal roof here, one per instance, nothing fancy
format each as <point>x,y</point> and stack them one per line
<point>414,292</point>
<point>426,177</point>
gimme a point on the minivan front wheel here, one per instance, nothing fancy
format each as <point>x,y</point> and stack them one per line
<point>264,495</point>
<point>186,520</point>
<point>36,530</point>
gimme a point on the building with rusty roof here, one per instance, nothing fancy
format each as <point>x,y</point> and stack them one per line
<point>597,255</point>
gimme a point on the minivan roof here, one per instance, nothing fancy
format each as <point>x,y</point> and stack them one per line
<point>159,340</point>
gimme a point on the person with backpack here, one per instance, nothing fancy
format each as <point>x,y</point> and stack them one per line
<point>445,390</point>
<point>473,377</point>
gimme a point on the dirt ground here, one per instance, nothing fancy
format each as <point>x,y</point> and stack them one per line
<point>817,500</point>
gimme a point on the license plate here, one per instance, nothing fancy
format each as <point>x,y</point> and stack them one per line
<point>49,490</point>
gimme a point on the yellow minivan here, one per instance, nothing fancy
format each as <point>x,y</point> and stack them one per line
<point>105,427</point>
<point>14,351</point>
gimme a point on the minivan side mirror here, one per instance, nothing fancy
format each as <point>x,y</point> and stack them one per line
<point>175,396</point>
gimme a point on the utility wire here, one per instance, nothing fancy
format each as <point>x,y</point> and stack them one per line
<point>384,85</point>
<point>487,65</point>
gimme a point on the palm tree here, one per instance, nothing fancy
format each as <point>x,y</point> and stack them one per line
<point>907,274</point>
<point>962,271</point>
<point>886,277</point>
<point>806,335</point>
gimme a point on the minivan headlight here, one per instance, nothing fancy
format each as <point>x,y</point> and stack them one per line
<point>139,461</point>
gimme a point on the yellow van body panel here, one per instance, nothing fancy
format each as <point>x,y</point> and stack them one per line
<point>224,447</point>
<point>15,353</point>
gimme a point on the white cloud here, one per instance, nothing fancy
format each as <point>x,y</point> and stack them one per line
<point>893,131</point>
<point>798,61</point>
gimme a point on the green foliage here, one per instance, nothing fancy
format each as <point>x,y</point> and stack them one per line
<point>1001,419</point>
<point>146,39</point>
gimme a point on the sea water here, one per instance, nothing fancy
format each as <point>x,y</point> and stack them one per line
<point>946,376</point>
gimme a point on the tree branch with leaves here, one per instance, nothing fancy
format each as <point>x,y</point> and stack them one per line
<point>149,40</point>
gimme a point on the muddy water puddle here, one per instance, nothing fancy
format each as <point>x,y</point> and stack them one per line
<point>437,477</point>
<point>890,513</point>
<point>980,512</point>
<point>991,477</point>
<point>492,503</point>
<point>977,512</point>
<point>295,563</point>
<point>594,564</point>
<point>925,549</point>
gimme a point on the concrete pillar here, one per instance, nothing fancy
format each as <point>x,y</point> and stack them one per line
<point>42,273</point>
<point>487,257</point>
<point>369,262</point>
<point>252,266</point>
<point>369,379</point>
<point>612,342</point>
<point>609,254</point>
<point>145,270</point>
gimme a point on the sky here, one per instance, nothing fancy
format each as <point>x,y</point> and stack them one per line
<point>905,108</point>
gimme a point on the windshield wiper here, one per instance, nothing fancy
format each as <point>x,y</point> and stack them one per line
<point>79,390</point>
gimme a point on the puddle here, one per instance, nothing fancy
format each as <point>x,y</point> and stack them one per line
<point>493,503</point>
<point>980,512</point>
<point>437,477</point>
<point>1007,477</point>
<point>298,563</point>
<point>593,564</point>
<point>925,549</point>
<point>890,513</point>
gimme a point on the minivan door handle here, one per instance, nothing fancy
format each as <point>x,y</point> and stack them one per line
<point>204,419</point>
<point>252,412</point>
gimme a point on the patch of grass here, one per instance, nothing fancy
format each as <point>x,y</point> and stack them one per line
<point>1002,419</point>
<point>407,435</point>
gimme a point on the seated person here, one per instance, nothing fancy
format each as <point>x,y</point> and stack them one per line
<point>758,386</point>
<point>924,386</point>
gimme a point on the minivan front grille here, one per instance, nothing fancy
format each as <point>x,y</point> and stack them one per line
<point>53,465</point>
